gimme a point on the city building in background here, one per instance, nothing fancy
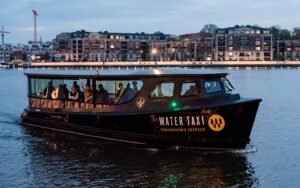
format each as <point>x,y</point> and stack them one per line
<point>288,50</point>
<point>104,46</point>
<point>33,51</point>
<point>5,52</point>
<point>244,43</point>
<point>238,43</point>
<point>189,47</point>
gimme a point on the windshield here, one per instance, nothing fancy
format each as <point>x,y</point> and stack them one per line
<point>227,85</point>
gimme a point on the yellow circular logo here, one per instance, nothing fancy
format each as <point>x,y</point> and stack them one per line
<point>216,122</point>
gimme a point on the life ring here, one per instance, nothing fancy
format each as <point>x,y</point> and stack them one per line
<point>54,94</point>
<point>140,102</point>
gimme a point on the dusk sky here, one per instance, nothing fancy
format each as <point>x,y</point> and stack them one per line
<point>167,16</point>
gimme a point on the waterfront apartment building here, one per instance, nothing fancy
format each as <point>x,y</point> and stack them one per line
<point>104,46</point>
<point>26,52</point>
<point>238,43</point>
<point>189,47</point>
<point>288,50</point>
<point>243,43</point>
<point>5,52</point>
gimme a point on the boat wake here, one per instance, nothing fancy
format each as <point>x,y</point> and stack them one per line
<point>249,149</point>
<point>8,118</point>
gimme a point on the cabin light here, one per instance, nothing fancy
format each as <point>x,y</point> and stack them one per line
<point>156,71</point>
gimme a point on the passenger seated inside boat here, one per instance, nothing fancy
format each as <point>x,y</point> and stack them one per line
<point>60,93</point>
<point>119,93</point>
<point>76,86</point>
<point>73,94</point>
<point>66,91</point>
<point>191,91</point>
<point>102,95</point>
<point>88,93</point>
<point>128,94</point>
<point>189,88</point>
<point>48,91</point>
<point>163,90</point>
<point>135,88</point>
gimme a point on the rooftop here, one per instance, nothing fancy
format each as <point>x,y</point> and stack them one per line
<point>165,72</point>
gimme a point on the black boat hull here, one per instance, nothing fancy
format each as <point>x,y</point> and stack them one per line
<point>215,127</point>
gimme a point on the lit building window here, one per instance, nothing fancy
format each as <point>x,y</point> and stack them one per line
<point>257,48</point>
<point>230,54</point>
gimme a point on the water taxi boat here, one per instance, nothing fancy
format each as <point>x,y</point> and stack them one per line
<point>168,108</point>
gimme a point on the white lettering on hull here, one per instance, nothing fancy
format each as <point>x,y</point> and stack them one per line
<point>181,121</point>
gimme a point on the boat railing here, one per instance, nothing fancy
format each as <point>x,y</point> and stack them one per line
<point>42,103</point>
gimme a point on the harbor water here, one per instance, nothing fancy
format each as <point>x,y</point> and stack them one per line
<point>32,158</point>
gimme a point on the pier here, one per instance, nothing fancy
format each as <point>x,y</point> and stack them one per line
<point>137,64</point>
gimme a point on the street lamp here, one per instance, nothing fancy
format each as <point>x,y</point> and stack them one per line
<point>173,51</point>
<point>154,52</point>
<point>141,52</point>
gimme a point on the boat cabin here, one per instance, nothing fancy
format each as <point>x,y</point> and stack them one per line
<point>93,92</point>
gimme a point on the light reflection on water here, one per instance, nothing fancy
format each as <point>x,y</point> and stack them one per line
<point>31,158</point>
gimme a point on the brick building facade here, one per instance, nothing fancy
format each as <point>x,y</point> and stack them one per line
<point>189,47</point>
<point>104,46</point>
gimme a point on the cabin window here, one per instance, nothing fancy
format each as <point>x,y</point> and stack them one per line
<point>212,86</point>
<point>116,91</point>
<point>164,89</point>
<point>83,90</point>
<point>38,87</point>
<point>189,89</point>
<point>55,88</point>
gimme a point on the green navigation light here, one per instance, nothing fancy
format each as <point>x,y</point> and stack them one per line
<point>174,104</point>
